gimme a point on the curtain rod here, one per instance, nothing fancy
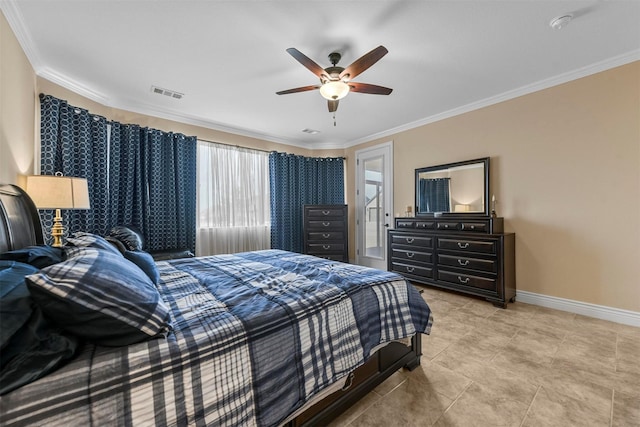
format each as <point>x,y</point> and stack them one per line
<point>233,145</point>
<point>251,148</point>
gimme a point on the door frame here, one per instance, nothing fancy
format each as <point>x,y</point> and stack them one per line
<point>387,148</point>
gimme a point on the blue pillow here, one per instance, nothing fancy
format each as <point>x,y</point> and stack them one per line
<point>146,263</point>
<point>38,256</point>
<point>129,237</point>
<point>88,240</point>
<point>101,297</point>
<point>30,346</point>
<point>15,301</point>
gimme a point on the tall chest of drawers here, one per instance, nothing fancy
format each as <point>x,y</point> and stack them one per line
<point>325,231</point>
<point>472,256</point>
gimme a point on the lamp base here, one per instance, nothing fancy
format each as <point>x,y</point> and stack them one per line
<point>57,231</point>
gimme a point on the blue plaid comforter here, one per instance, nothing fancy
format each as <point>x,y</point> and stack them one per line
<point>256,335</point>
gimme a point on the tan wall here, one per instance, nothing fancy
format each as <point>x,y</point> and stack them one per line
<point>565,169</point>
<point>17,103</point>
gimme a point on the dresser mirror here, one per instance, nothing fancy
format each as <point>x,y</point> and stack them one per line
<point>460,188</point>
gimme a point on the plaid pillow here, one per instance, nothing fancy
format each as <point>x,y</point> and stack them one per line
<point>101,297</point>
<point>87,240</point>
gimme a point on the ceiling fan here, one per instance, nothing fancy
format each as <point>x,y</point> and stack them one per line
<point>336,81</point>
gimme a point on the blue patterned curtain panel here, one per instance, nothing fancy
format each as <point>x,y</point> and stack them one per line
<point>139,177</point>
<point>74,142</point>
<point>434,195</point>
<point>297,181</point>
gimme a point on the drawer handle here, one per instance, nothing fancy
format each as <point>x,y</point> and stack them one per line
<point>465,262</point>
<point>326,212</point>
<point>410,254</point>
<point>410,269</point>
<point>349,382</point>
<point>326,247</point>
<point>326,224</point>
<point>465,280</point>
<point>326,235</point>
<point>463,246</point>
<point>410,240</point>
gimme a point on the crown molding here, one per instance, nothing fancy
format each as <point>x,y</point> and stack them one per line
<point>168,114</point>
<point>14,18</point>
<point>597,67</point>
<point>74,86</point>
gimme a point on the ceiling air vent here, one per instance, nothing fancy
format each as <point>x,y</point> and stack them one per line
<point>167,92</point>
<point>310,131</point>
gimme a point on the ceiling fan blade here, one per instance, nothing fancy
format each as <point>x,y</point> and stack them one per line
<point>307,62</point>
<point>298,89</point>
<point>364,62</point>
<point>367,88</point>
<point>333,105</point>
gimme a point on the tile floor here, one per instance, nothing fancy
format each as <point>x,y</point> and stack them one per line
<point>523,366</point>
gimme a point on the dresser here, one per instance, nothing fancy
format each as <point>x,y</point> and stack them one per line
<point>470,255</point>
<point>325,231</point>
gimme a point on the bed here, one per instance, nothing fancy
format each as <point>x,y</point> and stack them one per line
<point>263,338</point>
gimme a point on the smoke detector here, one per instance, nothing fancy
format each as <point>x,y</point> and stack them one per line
<point>560,22</point>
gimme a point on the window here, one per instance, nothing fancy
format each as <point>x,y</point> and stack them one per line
<point>232,199</point>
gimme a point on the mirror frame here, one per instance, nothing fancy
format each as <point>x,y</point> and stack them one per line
<point>487,190</point>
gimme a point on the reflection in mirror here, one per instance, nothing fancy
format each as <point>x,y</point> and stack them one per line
<point>453,188</point>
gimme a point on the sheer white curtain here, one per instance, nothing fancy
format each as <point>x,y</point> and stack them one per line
<point>233,199</point>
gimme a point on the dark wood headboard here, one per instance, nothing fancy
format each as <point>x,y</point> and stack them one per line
<point>19,219</point>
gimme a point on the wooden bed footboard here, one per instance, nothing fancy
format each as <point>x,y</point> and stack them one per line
<point>378,368</point>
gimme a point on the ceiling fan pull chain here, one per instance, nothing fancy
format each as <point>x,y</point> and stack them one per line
<point>334,118</point>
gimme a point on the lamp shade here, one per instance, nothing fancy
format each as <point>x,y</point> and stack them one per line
<point>58,192</point>
<point>334,90</point>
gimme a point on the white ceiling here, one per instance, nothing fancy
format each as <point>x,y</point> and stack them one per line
<point>229,58</point>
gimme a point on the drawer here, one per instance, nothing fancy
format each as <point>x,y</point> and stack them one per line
<point>448,225</point>
<point>360,375</point>
<point>404,223</point>
<point>411,240</point>
<point>425,225</point>
<point>479,227</point>
<point>328,224</point>
<point>409,255</point>
<point>486,283</point>
<point>318,248</point>
<point>317,213</point>
<point>470,263</point>
<point>481,246</point>
<point>329,235</point>
<point>414,270</point>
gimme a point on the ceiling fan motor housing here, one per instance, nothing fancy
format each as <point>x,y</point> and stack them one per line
<point>333,73</point>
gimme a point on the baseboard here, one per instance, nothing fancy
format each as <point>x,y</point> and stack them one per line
<point>612,314</point>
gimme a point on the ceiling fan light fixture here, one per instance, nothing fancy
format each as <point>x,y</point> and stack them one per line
<point>334,90</point>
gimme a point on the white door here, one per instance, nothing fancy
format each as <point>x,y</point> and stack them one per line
<point>374,204</point>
